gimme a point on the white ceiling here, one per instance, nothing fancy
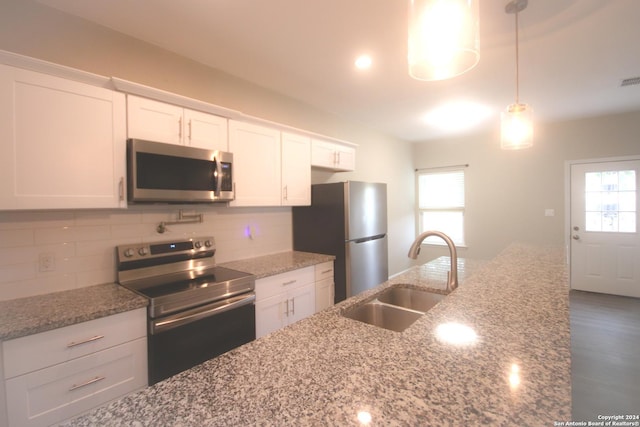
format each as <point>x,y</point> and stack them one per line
<point>573,54</point>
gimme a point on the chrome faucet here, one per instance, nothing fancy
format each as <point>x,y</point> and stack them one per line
<point>452,277</point>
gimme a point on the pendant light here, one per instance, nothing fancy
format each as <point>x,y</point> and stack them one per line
<point>443,38</point>
<point>517,121</point>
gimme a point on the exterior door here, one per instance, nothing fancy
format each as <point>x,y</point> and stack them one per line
<point>605,243</point>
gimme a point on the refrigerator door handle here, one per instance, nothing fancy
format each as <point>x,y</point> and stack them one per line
<point>368,239</point>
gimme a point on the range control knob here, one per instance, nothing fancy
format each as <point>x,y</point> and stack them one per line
<point>208,243</point>
<point>198,244</point>
<point>129,253</point>
<point>143,251</point>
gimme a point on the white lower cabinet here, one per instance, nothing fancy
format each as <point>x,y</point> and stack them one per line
<point>55,375</point>
<point>284,299</point>
<point>325,286</point>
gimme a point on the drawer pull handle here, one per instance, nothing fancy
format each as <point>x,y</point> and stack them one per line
<point>86,383</point>
<point>327,271</point>
<point>290,282</point>
<point>88,340</point>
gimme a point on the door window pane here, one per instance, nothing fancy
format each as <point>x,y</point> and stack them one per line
<point>610,201</point>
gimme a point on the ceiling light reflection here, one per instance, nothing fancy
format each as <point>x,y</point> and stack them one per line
<point>456,334</point>
<point>364,417</point>
<point>514,376</point>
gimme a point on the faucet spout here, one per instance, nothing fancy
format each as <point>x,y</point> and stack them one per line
<point>414,250</point>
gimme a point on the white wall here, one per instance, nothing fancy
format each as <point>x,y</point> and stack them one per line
<point>507,192</point>
<point>83,242</point>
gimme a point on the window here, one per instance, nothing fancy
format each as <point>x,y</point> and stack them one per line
<point>610,201</point>
<point>441,204</point>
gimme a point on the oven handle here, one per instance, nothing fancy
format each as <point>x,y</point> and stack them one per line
<point>159,326</point>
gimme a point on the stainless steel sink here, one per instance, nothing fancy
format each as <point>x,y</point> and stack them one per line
<point>410,298</point>
<point>384,316</point>
<point>395,308</point>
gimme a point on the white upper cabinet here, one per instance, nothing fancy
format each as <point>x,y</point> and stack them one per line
<point>256,164</point>
<point>296,169</point>
<point>62,143</point>
<point>333,155</point>
<point>158,121</point>
<point>205,130</point>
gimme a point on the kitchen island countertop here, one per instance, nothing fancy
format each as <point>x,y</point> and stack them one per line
<point>330,370</point>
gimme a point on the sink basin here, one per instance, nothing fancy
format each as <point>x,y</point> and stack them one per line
<point>413,299</point>
<point>395,308</point>
<point>384,316</point>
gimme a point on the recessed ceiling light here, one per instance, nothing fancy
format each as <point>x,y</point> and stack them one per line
<point>457,115</point>
<point>363,62</point>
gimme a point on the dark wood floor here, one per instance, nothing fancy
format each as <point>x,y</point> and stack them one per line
<point>605,355</point>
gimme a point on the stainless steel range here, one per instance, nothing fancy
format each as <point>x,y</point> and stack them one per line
<point>196,311</point>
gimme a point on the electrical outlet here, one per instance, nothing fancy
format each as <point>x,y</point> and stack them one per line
<point>46,262</point>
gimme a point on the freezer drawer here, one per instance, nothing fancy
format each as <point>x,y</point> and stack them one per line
<point>366,264</point>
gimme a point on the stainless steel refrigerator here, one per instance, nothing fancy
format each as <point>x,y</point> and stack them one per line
<point>347,220</point>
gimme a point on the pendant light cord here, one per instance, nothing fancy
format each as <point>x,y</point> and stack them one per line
<point>517,62</point>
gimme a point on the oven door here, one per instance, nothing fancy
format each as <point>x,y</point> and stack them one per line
<point>181,341</point>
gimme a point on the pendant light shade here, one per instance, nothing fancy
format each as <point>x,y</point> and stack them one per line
<point>516,130</point>
<point>443,38</point>
<point>516,127</point>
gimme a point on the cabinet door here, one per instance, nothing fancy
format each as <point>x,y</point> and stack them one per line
<point>154,120</point>
<point>269,315</point>
<point>323,154</point>
<point>256,162</point>
<point>324,294</point>
<point>296,170</point>
<point>301,303</point>
<point>53,394</point>
<point>331,155</point>
<point>346,158</point>
<point>325,286</point>
<point>205,130</point>
<point>33,352</point>
<point>62,143</point>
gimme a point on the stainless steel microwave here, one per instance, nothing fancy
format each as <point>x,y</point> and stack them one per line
<point>168,173</point>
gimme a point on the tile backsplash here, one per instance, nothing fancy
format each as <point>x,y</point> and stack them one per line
<point>49,251</point>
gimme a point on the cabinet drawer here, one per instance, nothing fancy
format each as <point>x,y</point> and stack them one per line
<point>273,285</point>
<point>59,392</point>
<point>324,271</point>
<point>26,354</point>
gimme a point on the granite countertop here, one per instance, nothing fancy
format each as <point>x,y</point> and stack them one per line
<point>269,265</point>
<point>31,315</point>
<point>41,313</point>
<point>330,370</point>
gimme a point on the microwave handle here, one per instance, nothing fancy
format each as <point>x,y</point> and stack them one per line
<point>217,182</point>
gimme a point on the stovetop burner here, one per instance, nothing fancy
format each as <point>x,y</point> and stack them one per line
<point>178,275</point>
